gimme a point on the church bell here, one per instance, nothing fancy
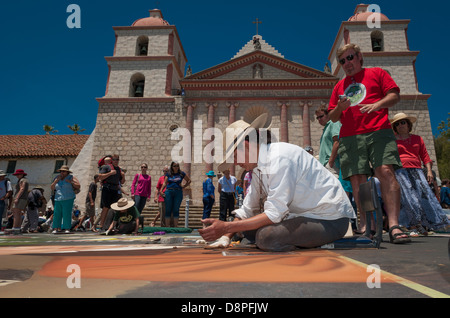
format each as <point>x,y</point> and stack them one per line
<point>143,50</point>
<point>376,45</point>
<point>139,90</point>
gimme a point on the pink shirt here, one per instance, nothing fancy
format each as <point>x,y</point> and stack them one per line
<point>142,185</point>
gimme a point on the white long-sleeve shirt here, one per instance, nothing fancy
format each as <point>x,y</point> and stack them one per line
<point>293,183</point>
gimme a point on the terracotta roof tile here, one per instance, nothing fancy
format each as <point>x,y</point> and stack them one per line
<point>16,146</point>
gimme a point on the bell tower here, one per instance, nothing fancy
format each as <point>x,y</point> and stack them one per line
<point>148,59</point>
<point>142,102</point>
<point>383,42</point>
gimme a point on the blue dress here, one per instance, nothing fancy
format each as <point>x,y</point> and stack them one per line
<point>418,203</point>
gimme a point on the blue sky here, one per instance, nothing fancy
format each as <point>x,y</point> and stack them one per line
<point>51,74</point>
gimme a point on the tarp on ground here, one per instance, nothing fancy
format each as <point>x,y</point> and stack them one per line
<point>150,229</point>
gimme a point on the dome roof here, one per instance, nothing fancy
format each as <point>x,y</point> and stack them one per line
<point>155,19</point>
<point>366,15</point>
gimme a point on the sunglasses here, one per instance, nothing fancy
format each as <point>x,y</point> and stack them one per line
<point>318,117</point>
<point>348,58</point>
<point>143,167</point>
<point>401,122</point>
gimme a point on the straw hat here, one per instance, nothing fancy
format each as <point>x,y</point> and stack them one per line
<point>64,168</point>
<point>122,204</point>
<point>2,173</point>
<point>238,130</point>
<point>401,116</point>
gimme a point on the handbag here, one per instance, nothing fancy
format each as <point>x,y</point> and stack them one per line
<point>76,190</point>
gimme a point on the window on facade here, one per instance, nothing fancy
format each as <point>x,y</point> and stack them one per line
<point>137,85</point>
<point>142,46</point>
<point>58,165</point>
<point>377,41</point>
<point>11,168</point>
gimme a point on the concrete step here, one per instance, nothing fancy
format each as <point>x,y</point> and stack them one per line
<point>195,215</point>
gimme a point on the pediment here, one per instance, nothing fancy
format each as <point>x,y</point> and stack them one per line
<point>259,65</point>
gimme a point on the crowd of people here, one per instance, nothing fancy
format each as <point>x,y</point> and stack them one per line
<point>297,200</point>
<point>24,208</point>
<point>287,197</point>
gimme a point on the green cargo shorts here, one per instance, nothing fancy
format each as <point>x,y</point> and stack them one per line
<point>359,153</point>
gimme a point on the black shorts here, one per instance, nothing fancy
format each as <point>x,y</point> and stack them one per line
<point>109,196</point>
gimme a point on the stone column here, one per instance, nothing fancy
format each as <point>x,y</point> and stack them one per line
<point>211,110</point>
<point>231,119</point>
<point>188,143</point>
<point>306,124</point>
<point>284,127</point>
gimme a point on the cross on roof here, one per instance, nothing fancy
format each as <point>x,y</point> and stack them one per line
<point>257,22</point>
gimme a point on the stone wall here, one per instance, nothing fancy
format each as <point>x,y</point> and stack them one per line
<point>138,132</point>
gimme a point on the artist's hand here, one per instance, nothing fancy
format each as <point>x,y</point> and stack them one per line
<point>222,242</point>
<point>215,229</point>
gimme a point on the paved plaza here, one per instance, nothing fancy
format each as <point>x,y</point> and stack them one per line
<point>89,265</point>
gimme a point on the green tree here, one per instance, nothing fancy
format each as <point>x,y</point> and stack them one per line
<point>49,129</point>
<point>76,128</point>
<point>442,146</point>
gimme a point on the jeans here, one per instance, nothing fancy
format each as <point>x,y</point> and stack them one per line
<point>207,206</point>
<point>2,208</point>
<point>139,202</point>
<point>173,198</point>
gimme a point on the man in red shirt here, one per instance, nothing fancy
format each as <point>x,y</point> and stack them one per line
<point>361,101</point>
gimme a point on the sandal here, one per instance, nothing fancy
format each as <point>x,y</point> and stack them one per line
<point>395,239</point>
<point>421,230</point>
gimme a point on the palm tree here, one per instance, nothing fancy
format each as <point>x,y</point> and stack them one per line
<point>49,129</point>
<point>76,128</point>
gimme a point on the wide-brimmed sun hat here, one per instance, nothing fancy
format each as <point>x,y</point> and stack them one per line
<point>238,130</point>
<point>19,171</point>
<point>210,173</point>
<point>39,187</point>
<point>2,173</point>
<point>400,116</point>
<point>64,168</point>
<point>122,204</point>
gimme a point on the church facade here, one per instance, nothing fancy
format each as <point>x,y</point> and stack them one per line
<point>155,112</point>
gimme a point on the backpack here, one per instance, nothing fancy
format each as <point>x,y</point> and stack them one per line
<point>34,199</point>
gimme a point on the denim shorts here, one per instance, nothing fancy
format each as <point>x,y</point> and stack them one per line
<point>359,153</point>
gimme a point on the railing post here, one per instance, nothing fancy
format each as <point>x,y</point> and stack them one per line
<point>186,213</point>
